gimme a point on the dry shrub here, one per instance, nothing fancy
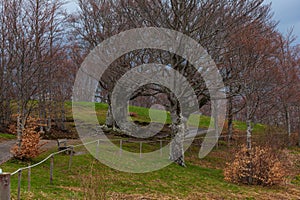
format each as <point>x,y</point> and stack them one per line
<point>30,141</point>
<point>256,166</point>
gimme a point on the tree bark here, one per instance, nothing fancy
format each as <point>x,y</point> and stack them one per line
<point>178,133</point>
<point>249,133</point>
<point>216,120</point>
<point>109,117</point>
<point>63,116</point>
<point>288,124</point>
<point>230,119</point>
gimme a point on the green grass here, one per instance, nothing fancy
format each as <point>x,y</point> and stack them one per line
<point>159,116</point>
<point>6,136</point>
<point>202,179</point>
<point>296,180</point>
<point>143,115</point>
<point>241,126</point>
<point>172,181</point>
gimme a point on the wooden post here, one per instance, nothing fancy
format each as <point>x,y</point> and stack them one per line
<point>160,144</point>
<point>71,155</point>
<point>19,184</point>
<point>97,149</point>
<point>29,179</point>
<point>121,144</point>
<point>141,146</point>
<point>51,169</point>
<point>5,186</point>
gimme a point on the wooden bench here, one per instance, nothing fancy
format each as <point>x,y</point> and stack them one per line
<point>62,145</point>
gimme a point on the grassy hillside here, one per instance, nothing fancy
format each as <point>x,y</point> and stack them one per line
<point>87,175</point>
<point>202,179</point>
<point>143,116</point>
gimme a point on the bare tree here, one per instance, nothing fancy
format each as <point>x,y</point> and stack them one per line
<point>211,23</point>
<point>29,45</point>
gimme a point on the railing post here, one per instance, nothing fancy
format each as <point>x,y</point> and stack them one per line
<point>160,148</point>
<point>97,149</point>
<point>19,184</point>
<point>4,186</point>
<point>51,169</point>
<point>141,149</point>
<point>71,155</point>
<point>29,179</point>
<point>121,144</point>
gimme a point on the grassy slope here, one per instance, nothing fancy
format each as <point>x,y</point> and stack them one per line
<point>172,181</point>
<point>143,116</point>
<point>202,179</point>
<point>5,136</point>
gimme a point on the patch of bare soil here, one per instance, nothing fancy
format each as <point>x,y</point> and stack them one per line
<point>52,144</point>
<point>57,133</point>
<point>117,196</point>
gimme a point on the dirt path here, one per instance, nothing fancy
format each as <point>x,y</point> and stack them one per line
<point>5,147</point>
<point>5,150</point>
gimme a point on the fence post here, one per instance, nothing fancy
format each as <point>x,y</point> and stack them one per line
<point>71,155</point>
<point>19,184</point>
<point>4,186</point>
<point>121,143</point>
<point>97,149</point>
<point>160,144</point>
<point>141,148</point>
<point>29,179</point>
<point>51,169</point>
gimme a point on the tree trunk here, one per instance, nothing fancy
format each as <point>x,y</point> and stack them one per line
<point>63,116</point>
<point>249,146</point>
<point>109,117</point>
<point>288,124</point>
<point>249,133</point>
<point>49,124</point>
<point>56,113</point>
<point>178,133</point>
<point>110,121</point>
<point>298,125</point>
<point>19,131</point>
<point>216,121</point>
<point>230,119</point>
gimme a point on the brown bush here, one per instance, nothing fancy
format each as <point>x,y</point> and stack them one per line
<point>256,166</point>
<point>30,141</point>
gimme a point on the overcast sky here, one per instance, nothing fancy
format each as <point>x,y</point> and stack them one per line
<point>287,12</point>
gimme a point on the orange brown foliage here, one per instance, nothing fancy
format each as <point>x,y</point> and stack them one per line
<point>30,141</point>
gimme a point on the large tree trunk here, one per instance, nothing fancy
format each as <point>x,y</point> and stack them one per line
<point>178,133</point>
<point>110,121</point>
<point>109,117</point>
